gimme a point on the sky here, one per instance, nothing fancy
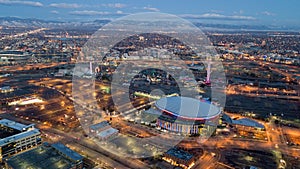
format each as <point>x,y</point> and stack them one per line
<point>256,12</point>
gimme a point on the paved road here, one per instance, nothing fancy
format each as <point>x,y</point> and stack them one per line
<point>23,33</point>
<point>89,147</point>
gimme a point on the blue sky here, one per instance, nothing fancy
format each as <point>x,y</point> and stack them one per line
<point>267,12</point>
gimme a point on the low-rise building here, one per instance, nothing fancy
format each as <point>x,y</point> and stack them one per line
<point>13,57</point>
<point>47,156</point>
<point>244,123</point>
<point>103,130</point>
<point>17,137</point>
<point>179,157</point>
<point>6,89</point>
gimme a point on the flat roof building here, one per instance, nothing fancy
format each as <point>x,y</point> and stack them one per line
<point>179,157</point>
<point>248,123</point>
<point>6,89</point>
<point>17,137</point>
<point>13,57</point>
<point>47,156</point>
<point>107,133</point>
<point>99,126</point>
<point>243,122</point>
<point>103,130</point>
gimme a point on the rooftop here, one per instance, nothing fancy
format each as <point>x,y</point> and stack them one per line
<point>99,125</point>
<point>6,133</point>
<point>19,136</point>
<point>5,88</point>
<point>188,108</point>
<point>153,111</point>
<point>67,152</point>
<point>107,132</point>
<point>14,125</point>
<point>248,122</point>
<point>41,157</point>
<point>19,131</point>
<point>243,121</point>
<point>180,154</point>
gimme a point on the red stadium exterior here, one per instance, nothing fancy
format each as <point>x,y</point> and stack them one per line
<point>187,115</point>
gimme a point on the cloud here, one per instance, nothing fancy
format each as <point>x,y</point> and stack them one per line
<point>215,16</point>
<point>65,5</point>
<point>26,3</point>
<point>239,12</point>
<point>89,12</point>
<point>119,12</point>
<point>116,5</point>
<point>54,12</point>
<point>151,9</point>
<point>215,11</point>
<point>93,13</point>
<point>268,13</point>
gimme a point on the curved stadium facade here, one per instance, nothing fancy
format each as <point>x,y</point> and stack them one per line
<point>187,115</point>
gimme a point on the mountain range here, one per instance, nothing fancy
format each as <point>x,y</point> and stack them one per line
<point>32,22</point>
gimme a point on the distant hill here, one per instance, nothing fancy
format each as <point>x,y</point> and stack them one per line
<point>236,27</point>
<point>33,22</point>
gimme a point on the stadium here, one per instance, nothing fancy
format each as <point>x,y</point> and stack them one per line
<point>187,115</point>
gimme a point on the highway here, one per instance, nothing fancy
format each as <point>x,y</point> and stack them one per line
<point>103,157</point>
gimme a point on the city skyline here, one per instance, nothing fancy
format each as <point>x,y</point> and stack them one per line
<point>147,84</point>
<point>277,13</point>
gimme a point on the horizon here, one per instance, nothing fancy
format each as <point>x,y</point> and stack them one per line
<point>272,13</point>
<point>147,84</point>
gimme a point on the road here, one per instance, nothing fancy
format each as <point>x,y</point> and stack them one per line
<point>100,155</point>
<point>23,33</point>
<point>90,148</point>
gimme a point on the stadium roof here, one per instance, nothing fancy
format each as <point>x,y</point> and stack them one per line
<point>188,108</point>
